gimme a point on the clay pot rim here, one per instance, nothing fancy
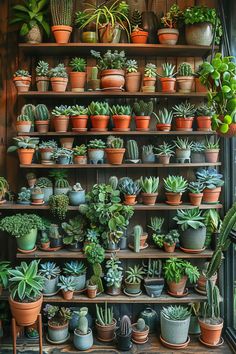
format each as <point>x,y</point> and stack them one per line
<point>139,34</point>
<point>174,193</point>
<point>64,79</point>
<point>121,116</point>
<point>61,117</point>
<point>107,72</point>
<point>99,116</point>
<point>149,194</point>
<point>138,73</point>
<point>24,122</point>
<point>110,325</point>
<point>149,78</point>
<point>77,73</point>
<point>22,78</point>
<point>42,122</point>
<point>100,149</point>
<point>82,335</point>
<point>58,327</point>
<point>142,117</point>
<point>211,326</point>
<point>185,78</point>
<point>204,117</point>
<point>25,150</point>
<point>187,118</point>
<point>61,28</point>
<point>168,30</point>
<point>42,78</point>
<point>167,79</point>
<point>80,116</point>
<point>217,189</point>
<point>115,150</point>
<point>212,150</point>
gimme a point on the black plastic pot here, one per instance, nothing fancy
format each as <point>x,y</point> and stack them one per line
<point>56,242</point>
<point>124,342</point>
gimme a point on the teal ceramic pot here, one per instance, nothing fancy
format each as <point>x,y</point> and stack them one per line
<point>174,332</point>
<point>47,191</point>
<point>150,158</point>
<point>83,341</point>
<point>194,327</point>
<point>96,156</point>
<point>27,242</point>
<point>80,281</point>
<point>76,198</point>
<point>50,287</point>
<point>64,160</point>
<point>154,290</point>
<point>57,333</point>
<point>150,317</point>
<point>193,239</point>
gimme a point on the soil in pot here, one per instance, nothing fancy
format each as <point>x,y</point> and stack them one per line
<point>121,122</point>
<point>211,196</point>
<point>195,199</point>
<point>212,155</point>
<point>142,123</point>
<point>168,36</point>
<point>99,123</point>
<point>106,333</point>
<point>177,288</point>
<point>149,198</point>
<point>133,82</point>
<point>168,84</point>
<point>115,156</point>
<point>25,313</point>
<point>184,124</point>
<point>211,332</point>
<point>193,239</point>
<point>61,33</point>
<point>204,123</point>
<point>173,198</point>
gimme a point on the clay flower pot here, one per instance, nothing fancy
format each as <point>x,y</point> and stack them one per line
<point>67,295</point>
<point>199,86</point>
<point>210,333</point>
<point>212,155</point>
<point>23,126</point>
<point>177,288</point>
<point>61,124</point>
<point>164,159</point>
<point>92,291</point>
<point>25,156</point>
<point>25,313</point>
<point>99,123</point>
<point>80,160</point>
<point>163,127</point>
<point>168,84</point>
<point>185,83</point>
<point>140,337</point>
<point>42,83</point>
<point>42,126</point>
<point>61,33</point>
<point>204,123</point>
<point>142,122</point>
<point>46,155</point>
<point>79,123</point>
<point>149,198</point>
<point>77,81</point>
<point>113,79</point>
<point>59,84</point>
<point>168,36</point>
<point>199,34</point>
<point>195,199</point>
<point>202,280</point>
<point>133,82</point>
<point>184,124</point>
<point>173,198</point>
<point>22,83</point>
<point>149,81</point>
<point>211,196</point>
<point>106,333</point>
<point>67,142</point>
<point>121,122</point>
<point>45,245</point>
<point>139,37</point>
<point>115,156</point>
<point>169,248</point>
<point>130,199</point>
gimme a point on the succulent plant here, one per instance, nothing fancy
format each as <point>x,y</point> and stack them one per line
<point>128,187</point>
<point>136,19</point>
<point>62,12</point>
<point>42,68</point>
<point>175,184</point>
<point>172,237</point>
<point>74,268</point>
<point>120,110</point>
<point>104,316</point>
<point>61,110</point>
<point>191,218</point>
<point>41,112</point>
<point>67,283</point>
<point>59,71</point>
<point>205,110</point>
<point>184,110</point>
<point>150,70</point>
<point>164,116</point>
<point>156,224</point>
<point>176,313</point>
<point>134,275</point>
<point>52,144</point>
<point>29,110</point>
<point>114,142</point>
<point>80,150</point>
<point>209,144</point>
<point>114,274</point>
<point>110,60</point>
<point>82,325</point>
<point>23,118</point>
<point>197,146</point>
<point>149,184</point>
<point>44,182</point>
<point>49,270</point>
<point>142,108</point>
<point>195,187</point>
<point>74,230</point>
<point>182,144</point>
<point>185,69</point>
<point>125,326</point>
<point>78,110</point>
<point>131,66</point>
<point>96,144</point>
<point>210,178</point>
<point>141,325</point>
<point>21,72</point>
<point>165,149</point>
<point>59,205</point>
<point>77,187</point>
<point>98,108</point>
<point>24,142</point>
<point>24,195</point>
<point>168,70</point>
<point>147,149</point>
<point>78,64</point>
<point>137,233</point>
<point>132,150</point>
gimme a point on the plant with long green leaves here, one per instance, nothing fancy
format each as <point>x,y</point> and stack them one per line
<point>134,275</point>
<point>210,144</point>
<point>104,317</point>
<point>4,187</point>
<point>176,313</point>
<point>175,184</point>
<point>164,116</point>
<point>191,218</point>
<point>165,149</point>
<point>210,309</point>
<point>175,269</point>
<point>149,184</point>
<point>4,273</point>
<point>213,224</point>
<point>184,110</point>
<point>182,144</point>
<point>168,70</point>
<point>156,224</point>
<point>205,110</point>
<point>78,64</point>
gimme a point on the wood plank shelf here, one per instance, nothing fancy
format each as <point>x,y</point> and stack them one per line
<point>130,49</point>
<point>138,207</point>
<point>124,165</point>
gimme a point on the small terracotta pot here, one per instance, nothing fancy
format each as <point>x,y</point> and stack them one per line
<point>79,123</point>
<point>25,313</point>
<point>80,160</point>
<point>77,81</point>
<point>61,33</point>
<point>149,81</point>
<point>112,79</point>
<point>202,280</point>
<point>164,159</point>
<point>199,86</point>
<point>133,82</point>
<point>139,37</point>
<point>169,248</point>
<point>106,333</point>
<point>204,123</point>
<point>168,36</point>
<point>211,196</point>
<point>22,83</point>
<point>212,155</point>
<point>130,199</point>
<point>121,122</point>
<point>163,127</point>
<point>142,122</point>
<point>149,198</point>
<point>140,336</point>
<point>61,123</point>
<point>25,156</point>
<point>168,84</point>
<point>173,198</point>
<point>67,295</point>
<point>42,126</point>
<point>23,126</point>
<point>184,124</point>
<point>99,123</point>
<point>45,245</point>
<point>115,156</point>
<point>59,84</point>
<point>195,199</point>
<point>143,239</point>
<point>92,291</point>
<point>185,83</point>
<point>67,142</point>
<point>42,83</point>
<point>177,288</point>
<point>210,333</point>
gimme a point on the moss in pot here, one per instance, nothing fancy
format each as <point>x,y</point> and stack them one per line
<point>83,335</point>
<point>50,271</point>
<point>58,323</point>
<point>153,283</point>
<point>140,332</point>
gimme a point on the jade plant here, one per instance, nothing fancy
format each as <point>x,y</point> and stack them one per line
<point>172,17</point>
<point>110,60</point>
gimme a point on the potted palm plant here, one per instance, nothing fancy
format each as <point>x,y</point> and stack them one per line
<point>78,74</point>
<point>212,181</point>
<point>4,188</point>
<point>129,189</point>
<point>22,80</point>
<point>150,77</point>
<point>121,117</point>
<point>113,276</point>
<point>115,151</point>
<point>133,279</point>
<point>142,111</point>
<point>42,76</point>
<point>61,118</point>
<point>164,153</point>
<point>67,285</point>
<point>105,323</point>
<point>149,189</point>
<point>185,78</point>
<point>175,186</point>
<point>42,118</point>
<point>79,118</point>
<point>58,78</point>
<point>204,117</point>
<point>80,154</point>
<point>164,119</point>
<point>132,76</point>
<point>212,150</point>
<point>83,335</point>
<point>50,271</point>
<point>169,34</point>
<point>96,151</point>
<point>58,323</point>
<point>62,12</point>
<point>184,113</point>
<point>195,192</point>
<point>167,78</point>
<point>99,115</point>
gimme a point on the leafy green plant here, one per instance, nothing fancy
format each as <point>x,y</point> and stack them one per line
<point>197,146</point>
<point>185,69</point>
<point>210,178</point>
<point>149,184</point>
<point>80,150</point>
<point>150,70</point>
<point>168,70</point>
<point>176,313</point>
<point>147,150</point>
<point>19,225</point>
<point>104,317</point>
<point>209,144</point>
<point>67,283</point>
<point>175,269</point>
<point>131,66</point>
<point>156,224</point>
<point>120,110</point>
<point>128,187</point>
<point>142,108</point>
<point>78,64</point>
<point>94,253</point>
<point>172,17</point>
<point>4,187</point>
<point>182,144</point>
<point>191,218</point>
<point>74,268</point>
<point>74,230</point>
<point>134,275</point>
<point>42,68</point>
<point>59,205</point>
<point>21,72</point>
<point>110,60</point>
<point>165,149</point>
<point>62,12</point>
<point>184,110</point>
<point>195,187</point>
<point>164,116</point>
<point>98,108</point>
<point>172,237</point>
<point>57,316</point>
<point>4,273</point>
<point>23,142</point>
<point>61,111</point>
<point>210,309</point>
<point>175,184</point>
<point>59,71</point>
<point>78,111</point>
<point>115,142</point>
<point>49,270</point>
<point>205,110</point>
<point>96,144</point>
<point>114,273</point>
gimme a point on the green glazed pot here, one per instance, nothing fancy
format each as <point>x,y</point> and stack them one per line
<point>89,37</point>
<point>27,242</point>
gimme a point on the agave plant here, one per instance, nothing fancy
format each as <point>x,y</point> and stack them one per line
<point>134,275</point>
<point>189,219</point>
<point>175,184</point>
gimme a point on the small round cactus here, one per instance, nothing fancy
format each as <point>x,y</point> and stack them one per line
<point>141,325</point>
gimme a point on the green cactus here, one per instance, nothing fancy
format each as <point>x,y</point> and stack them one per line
<point>62,183</point>
<point>96,277</point>
<point>140,325</point>
<point>41,112</point>
<point>210,310</point>
<point>23,118</point>
<point>29,110</point>
<point>83,321</point>
<point>94,73</point>
<point>185,69</point>
<point>61,11</point>
<point>113,181</point>
<point>132,150</point>
<point>137,231</point>
<point>125,326</point>
<point>104,316</point>
<point>142,108</point>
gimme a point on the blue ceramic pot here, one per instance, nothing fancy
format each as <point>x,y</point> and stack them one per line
<point>77,198</point>
<point>83,341</point>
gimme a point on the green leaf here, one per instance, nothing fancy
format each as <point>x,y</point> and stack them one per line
<point>215,75</point>
<point>226,89</point>
<point>21,289</point>
<point>20,8</point>
<point>24,30</point>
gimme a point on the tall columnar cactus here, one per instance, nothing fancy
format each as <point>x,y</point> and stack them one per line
<point>62,11</point>
<point>104,316</point>
<point>96,277</point>
<point>132,150</point>
<point>125,326</point>
<point>83,321</point>
<point>94,73</point>
<point>41,112</point>
<point>141,325</point>
<point>138,231</point>
<point>211,308</point>
<point>113,181</point>
<point>29,110</point>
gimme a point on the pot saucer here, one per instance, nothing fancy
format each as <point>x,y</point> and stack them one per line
<point>174,204</point>
<point>178,295</point>
<point>130,204</point>
<point>79,130</point>
<point>76,292</point>
<point>50,249</point>
<point>199,291</point>
<point>121,130</point>
<point>32,203</point>
<point>45,162</point>
<point>105,340</point>
<point>132,295</point>
<point>175,346</point>
<point>141,247</point>
<point>140,343</point>
<point>99,130</point>
<point>187,250</point>
<point>60,342</point>
<point>184,129</point>
<point>219,344</point>
<point>48,295</point>
<point>26,252</point>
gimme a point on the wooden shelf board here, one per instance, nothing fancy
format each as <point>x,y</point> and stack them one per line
<point>124,165</point>
<point>130,49</point>
<point>122,254</point>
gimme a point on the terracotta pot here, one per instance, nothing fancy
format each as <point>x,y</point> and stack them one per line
<point>133,82</point>
<point>212,155</point>
<point>92,291</point>
<point>115,156</point>
<point>130,199</point>
<point>42,126</point>
<point>61,123</point>
<point>59,84</point>
<point>79,123</point>
<point>140,336</point>
<point>177,288</point>
<point>169,248</point>
<point>173,198</point>
<point>142,122</point>
<point>163,127</point>
<point>168,36</point>
<point>25,156</point>
<point>42,83</point>
<point>148,88</point>
<point>121,122</point>
<point>67,142</point>
<point>185,84</point>
<point>184,124</point>
<point>204,123</point>
<point>199,86</point>
<point>22,83</point>
<point>67,295</point>
<point>168,84</point>
<point>211,196</point>
<point>34,36</point>
<point>112,79</point>
<point>139,37</point>
<point>199,34</point>
<point>149,81</point>
<point>164,159</point>
<point>80,160</point>
<point>45,245</point>
<point>202,280</point>
<point>61,33</point>
<point>149,198</point>
<point>195,199</point>
<point>143,239</point>
<point>77,81</point>
<point>106,333</point>
<point>23,126</point>
<point>25,313</point>
<point>99,123</point>
<point>210,333</point>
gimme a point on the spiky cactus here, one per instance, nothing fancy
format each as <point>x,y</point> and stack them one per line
<point>125,326</point>
<point>94,73</point>
<point>41,112</point>
<point>29,110</point>
<point>23,118</point>
<point>185,69</point>
<point>83,321</point>
<point>104,316</point>
<point>140,325</point>
<point>137,231</point>
<point>113,181</point>
<point>132,150</point>
<point>62,183</point>
<point>61,11</point>
<point>210,310</point>
<point>142,108</point>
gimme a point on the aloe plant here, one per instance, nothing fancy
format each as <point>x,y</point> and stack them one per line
<point>175,184</point>
<point>149,184</point>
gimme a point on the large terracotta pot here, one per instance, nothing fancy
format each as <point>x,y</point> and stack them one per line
<point>168,36</point>
<point>61,123</point>
<point>184,124</point>
<point>22,83</point>
<point>61,33</point>
<point>168,84</point>
<point>25,156</point>
<point>210,333</point>
<point>67,142</point>
<point>195,199</point>
<point>113,79</point>
<point>106,333</point>
<point>173,198</point>
<point>199,34</point>
<point>42,83</point>
<point>204,123</point>
<point>133,82</point>
<point>34,36</point>
<point>59,84</point>
<point>139,37</point>
<point>212,155</point>
<point>25,313</point>
<point>99,122</point>
<point>115,156</point>
<point>211,196</point>
<point>142,122</point>
<point>185,83</point>
<point>177,288</point>
<point>77,81</point>
<point>121,122</point>
<point>79,123</point>
<point>149,198</point>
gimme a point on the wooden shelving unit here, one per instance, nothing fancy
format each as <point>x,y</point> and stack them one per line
<point>129,133</point>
